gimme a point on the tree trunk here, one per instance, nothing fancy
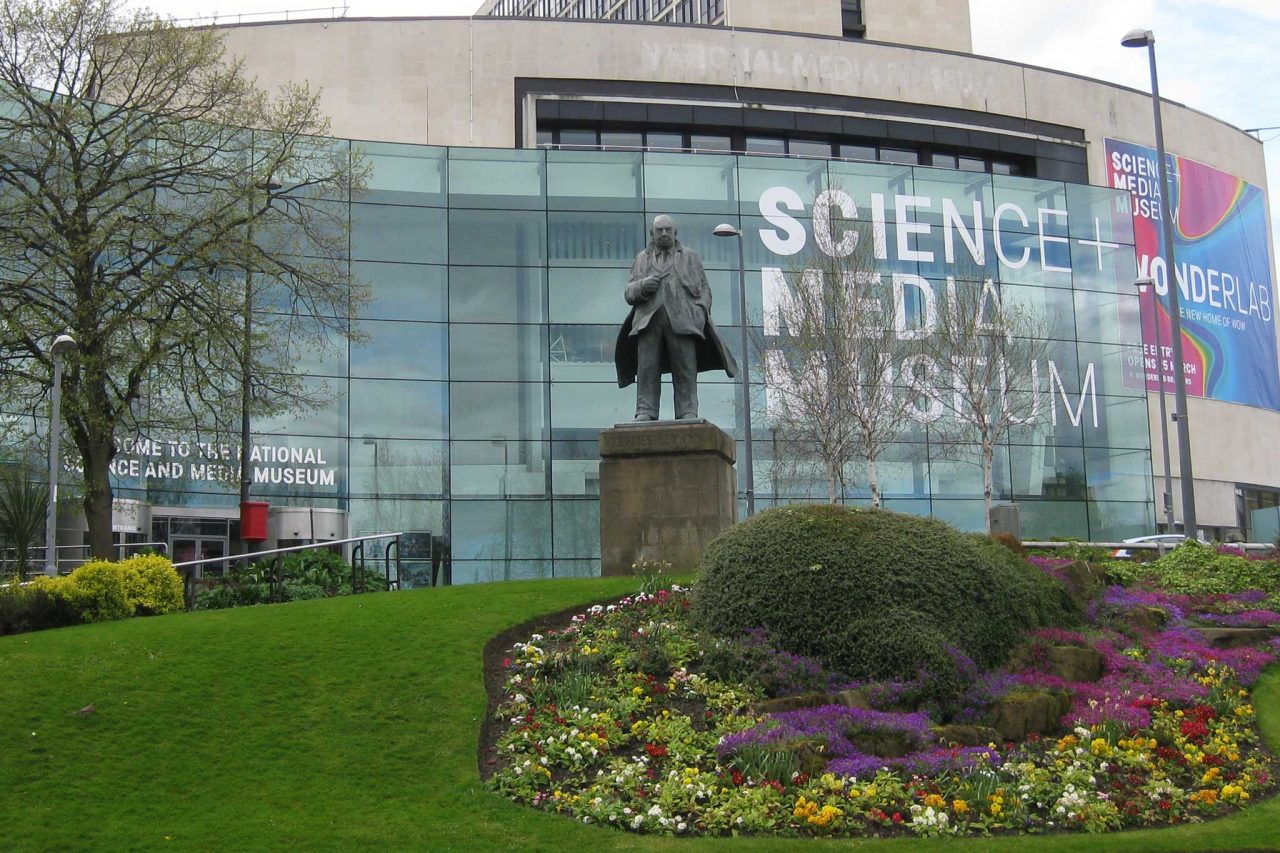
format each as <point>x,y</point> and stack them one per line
<point>97,499</point>
<point>831,482</point>
<point>988,463</point>
<point>873,482</point>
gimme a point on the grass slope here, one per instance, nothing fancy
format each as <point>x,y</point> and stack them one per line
<point>339,724</point>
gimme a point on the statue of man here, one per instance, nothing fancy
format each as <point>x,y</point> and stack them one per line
<point>669,329</point>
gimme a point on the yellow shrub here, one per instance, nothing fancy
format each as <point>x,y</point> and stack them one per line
<point>58,588</point>
<point>99,591</point>
<point>153,585</point>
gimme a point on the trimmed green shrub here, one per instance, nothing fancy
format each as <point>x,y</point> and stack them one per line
<point>99,591</point>
<point>43,603</point>
<point>1194,568</point>
<point>152,585</point>
<point>874,594</point>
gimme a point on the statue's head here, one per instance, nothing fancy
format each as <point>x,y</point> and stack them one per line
<point>663,232</point>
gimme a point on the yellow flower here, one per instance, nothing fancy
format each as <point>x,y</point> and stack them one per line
<point>1208,796</point>
<point>1099,746</point>
<point>1211,774</point>
<point>960,806</point>
<point>935,801</point>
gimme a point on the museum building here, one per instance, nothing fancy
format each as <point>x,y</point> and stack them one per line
<point>517,159</point>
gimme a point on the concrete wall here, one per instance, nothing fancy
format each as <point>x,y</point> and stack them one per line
<point>942,24</point>
<point>452,82</point>
<point>820,17</point>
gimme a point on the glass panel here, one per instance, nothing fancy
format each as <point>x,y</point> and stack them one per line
<point>506,179</point>
<point>498,468</point>
<point>583,353</point>
<point>961,474</point>
<point>486,571</point>
<point>489,351</point>
<point>1111,363</point>
<point>1031,200</point>
<point>498,238</point>
<point>626,139</point>
<point>287,465</point>
<point>329,418</point>
<point>858,152</point>
<point>575,466</point>
<point>592,405</point>
<point>387,233</point>
<point>942,161</point>
<point>766,145</point>
<point>1107,317</point>
<point>1119,475</point>
<point>500,530</point>
<point>403,291</point>
<point>301,344</point>
<point>595,239</point>
<point>710,142</point>
<point>674,183</point>
<point>757,175</point>
<point>971,164</point>
<point>423,520</point>
<point>1103,266</point>
<point>594,181</point>
<point>404,174</point>
<point>900,155</point>
<point>809,147</point>
<point>667,141</point>
<point>1115,522</point>
<point>577,529</point>
<point>1098,213</point>
<point>1045,471</point>
<point>1040,520</point>
<point>400,350</point>
<point>1051,308</point>
<point>488,410</point>
<point>1124,423</point>
<point>390,408</point>
<point>397,469</point>
<point>588,295</point>
<point>578,138</point>
<point>965,515</point>
<point>496,295</point>
<point>577,568</point>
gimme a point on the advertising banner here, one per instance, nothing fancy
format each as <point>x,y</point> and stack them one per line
<point>1223,276</point>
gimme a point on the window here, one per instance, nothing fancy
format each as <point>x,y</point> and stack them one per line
<point>851,21</point>
<point>658,141</point>
<point>900,155</point>
<point>766,145</point>
<point>809,148</point>
<point>710,142</point>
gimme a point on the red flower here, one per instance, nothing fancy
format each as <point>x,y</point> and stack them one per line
<point>738,778</point>
<point>1193,729</point>
<point>655,750</point>
<point>897,817</point>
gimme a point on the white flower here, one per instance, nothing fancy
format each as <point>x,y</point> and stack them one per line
<point>639,819</point>
<point>655,811</point>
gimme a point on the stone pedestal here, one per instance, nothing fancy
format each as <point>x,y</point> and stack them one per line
<point>667,488</point>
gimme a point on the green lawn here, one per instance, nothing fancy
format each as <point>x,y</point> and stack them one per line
<point>339,724</point>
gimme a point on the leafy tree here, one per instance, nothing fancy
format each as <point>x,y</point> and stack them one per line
<point>151,198</point>
<point>990,356</point>
<point>832,352</point>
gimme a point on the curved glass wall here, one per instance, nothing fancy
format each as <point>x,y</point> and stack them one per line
<point>471,405</point>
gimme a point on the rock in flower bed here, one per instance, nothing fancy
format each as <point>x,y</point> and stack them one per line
<point>626,718</point>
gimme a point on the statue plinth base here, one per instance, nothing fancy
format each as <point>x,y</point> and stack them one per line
<point>667,488</point>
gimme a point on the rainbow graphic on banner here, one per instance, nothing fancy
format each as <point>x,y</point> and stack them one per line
<point>1222,254</point>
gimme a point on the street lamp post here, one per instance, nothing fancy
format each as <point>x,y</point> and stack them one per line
<point>1147,39</point>
<point>727,230</point>
<point>62,345</point>
<point>1142,284</point>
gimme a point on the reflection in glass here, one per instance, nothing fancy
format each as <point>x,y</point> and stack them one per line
<point>593,180</point>
<point>382,232</point>
<point>488,410</point>
<point>403,291</point>
<point>393,350</point>
<point>576,530</point>
<point>404,174</point>
<point>496,294</point>
<point>501,530</point>
<point>389,408</point>
<point>397,469</point>
<point>595,239</point>
<point>510,238</point>
<point>498,468</point>
<point>504,179</point>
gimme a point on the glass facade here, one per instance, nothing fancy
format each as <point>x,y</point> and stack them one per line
<point>469,407</point>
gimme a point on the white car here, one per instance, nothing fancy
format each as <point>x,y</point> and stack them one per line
<point>1169,540</point>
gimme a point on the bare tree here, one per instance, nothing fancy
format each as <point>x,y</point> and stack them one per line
<point>988,355</point>
<point>151,199</point>
<point>832,348</point>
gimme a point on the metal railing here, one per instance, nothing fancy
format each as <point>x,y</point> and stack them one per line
<point>1160,547</point>
<point>190,569</point>
<point>36,556</point>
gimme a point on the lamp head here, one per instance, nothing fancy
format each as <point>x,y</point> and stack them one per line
<point>1143,283</point>
<point>62,345</point>
<point>1138,38</point>
<point>724,229</point>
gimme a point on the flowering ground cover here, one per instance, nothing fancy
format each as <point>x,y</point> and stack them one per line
<point>628,716</point>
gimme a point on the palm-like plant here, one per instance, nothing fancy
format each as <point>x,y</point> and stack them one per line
<point>23,503</point>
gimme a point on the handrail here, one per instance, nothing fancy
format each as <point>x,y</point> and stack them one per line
<point>255,554</point>
<point>1145,546</point>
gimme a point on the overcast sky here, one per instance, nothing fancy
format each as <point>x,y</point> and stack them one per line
<point>1215,55</point>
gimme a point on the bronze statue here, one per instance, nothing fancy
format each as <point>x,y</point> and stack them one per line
<point>669,329</point>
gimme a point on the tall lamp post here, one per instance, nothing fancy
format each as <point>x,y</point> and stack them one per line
<point>1142,284</point>
<point>727,230</point>
<point>61,345</point>
<point>1147,39</point>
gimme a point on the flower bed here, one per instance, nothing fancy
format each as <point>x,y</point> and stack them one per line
<point>627,717</point>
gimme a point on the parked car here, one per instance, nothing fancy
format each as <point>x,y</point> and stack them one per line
<point>1169,540</point>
